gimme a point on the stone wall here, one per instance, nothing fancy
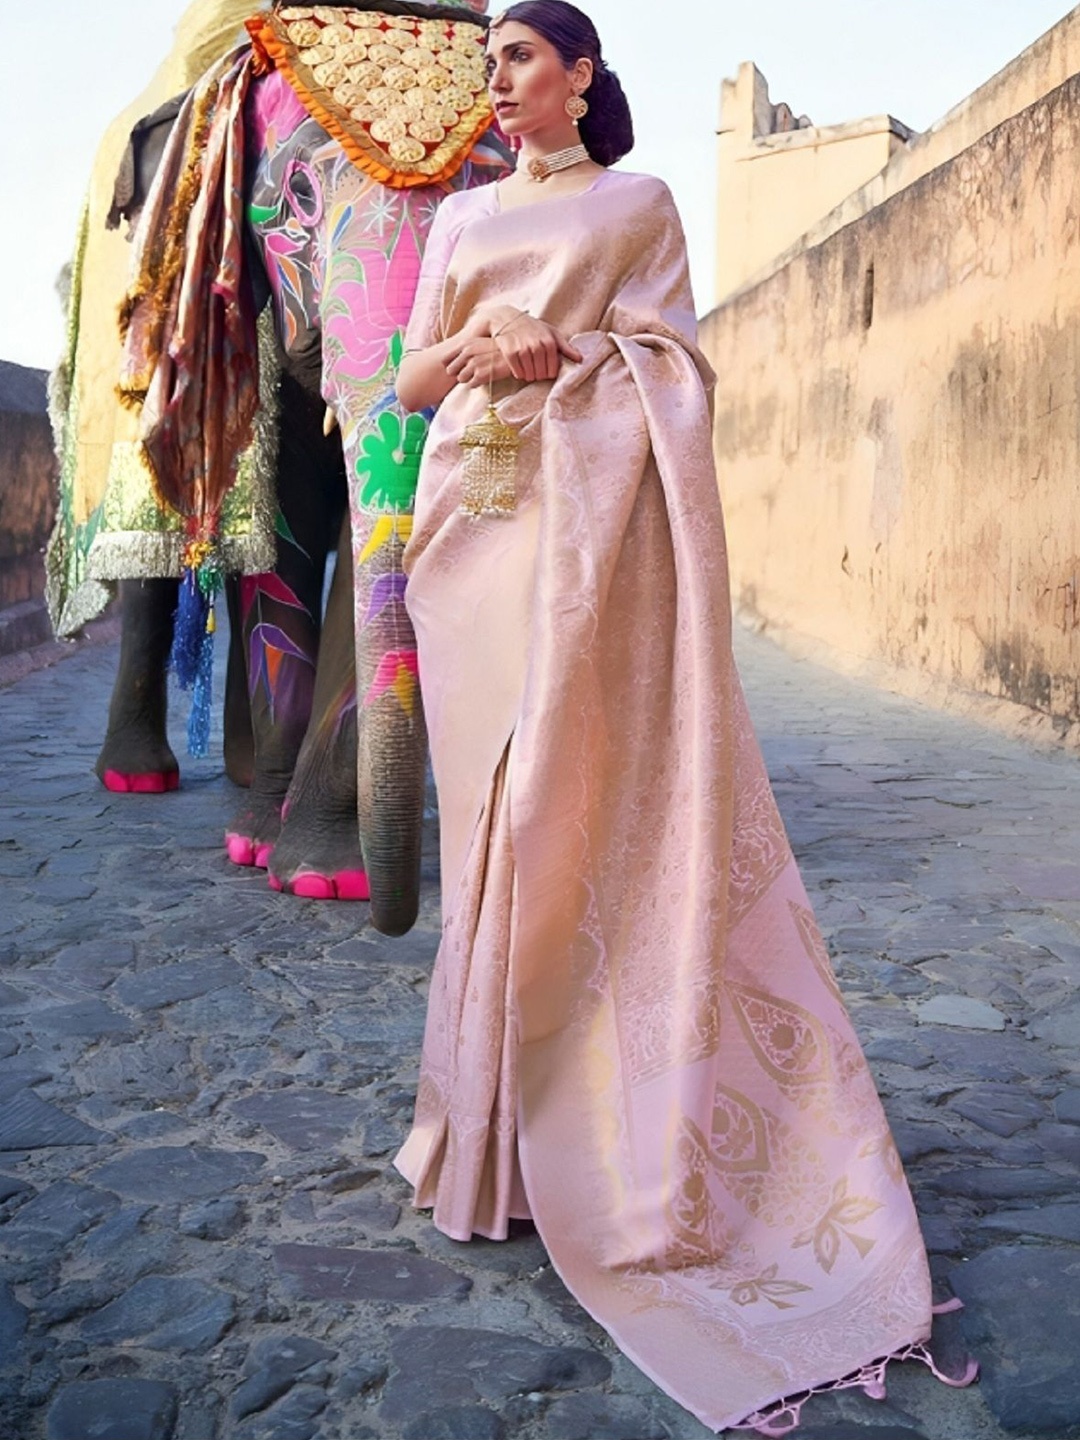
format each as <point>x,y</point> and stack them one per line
<point>778,174</point>
<point>1034,74</point>
<point>898,425</point>
<point>27,482</point>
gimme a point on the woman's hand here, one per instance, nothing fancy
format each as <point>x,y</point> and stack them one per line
<point>532,349</point>
<point>500,343</point>
<point>522,348</point>
<point>478,363</point>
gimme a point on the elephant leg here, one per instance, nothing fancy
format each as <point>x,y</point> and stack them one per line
<point>239,736</point>
<point>318,851</point>
<point>280,620</point>
<point>136,756</point>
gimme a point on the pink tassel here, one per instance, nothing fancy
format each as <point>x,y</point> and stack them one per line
<point>785,1416</point>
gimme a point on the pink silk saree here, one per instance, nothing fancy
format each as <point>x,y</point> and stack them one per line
<point>634,1035</point>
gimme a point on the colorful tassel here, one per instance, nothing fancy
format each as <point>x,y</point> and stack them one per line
<point>198,725</point>
<point>192,656</point>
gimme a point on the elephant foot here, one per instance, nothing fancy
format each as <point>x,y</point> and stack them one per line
<point>148,782</point>
<point>243,850</point>
<point>250,839</point>
<point>318,851</point>
<point>342,885</point>
<point>136,757</point>
<point>137,762</point>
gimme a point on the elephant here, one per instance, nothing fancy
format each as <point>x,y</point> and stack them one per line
<point>322,713</point>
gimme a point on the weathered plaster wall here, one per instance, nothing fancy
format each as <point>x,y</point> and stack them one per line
<point>778,175</point>
<point>1034,74</point>
<point>898,424</point>
<point>27,483</point>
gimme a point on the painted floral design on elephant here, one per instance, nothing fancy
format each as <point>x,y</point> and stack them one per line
<point>343,254</point>
<point>270,646</point>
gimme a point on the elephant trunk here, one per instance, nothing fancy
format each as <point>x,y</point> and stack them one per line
<point>391,774</point>
<point>391,734</point>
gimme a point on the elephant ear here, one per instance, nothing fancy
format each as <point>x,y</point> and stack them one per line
<point>140,161</point>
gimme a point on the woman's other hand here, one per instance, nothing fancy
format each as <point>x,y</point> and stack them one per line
<point>522,349</point>
<point>479,362</point>
<point>532,349</point>
<point>501,344</point>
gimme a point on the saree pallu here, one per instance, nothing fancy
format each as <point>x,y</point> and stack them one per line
<point>634,1034</point>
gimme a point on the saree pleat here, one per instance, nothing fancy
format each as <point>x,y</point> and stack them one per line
<point>462,1154</point>
<point>628,948</point>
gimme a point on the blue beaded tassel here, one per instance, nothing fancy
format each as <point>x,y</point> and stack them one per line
<point>192,656</point>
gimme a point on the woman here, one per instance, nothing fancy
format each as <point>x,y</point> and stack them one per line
<point>634,1036</point>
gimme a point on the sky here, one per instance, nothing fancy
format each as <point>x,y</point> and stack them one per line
<point>833,60</point>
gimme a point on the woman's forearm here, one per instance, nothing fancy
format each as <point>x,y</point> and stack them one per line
<point>422,378</point>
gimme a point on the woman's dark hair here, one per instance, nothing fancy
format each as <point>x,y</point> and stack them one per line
<point>607,131</point>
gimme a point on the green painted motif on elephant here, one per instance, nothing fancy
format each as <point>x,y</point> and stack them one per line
<point>389,461</point>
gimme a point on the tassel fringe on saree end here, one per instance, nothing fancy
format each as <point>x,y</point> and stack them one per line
<point>785,1416</point>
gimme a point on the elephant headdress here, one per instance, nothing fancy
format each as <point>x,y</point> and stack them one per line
<point>402,88</point>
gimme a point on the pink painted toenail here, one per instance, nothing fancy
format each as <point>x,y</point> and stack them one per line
<point>147,782</point>
<point>351,885</point>
<point>240,849</point>
<point>313,887</point>
<point>262,855</point>
<point>274,883</point>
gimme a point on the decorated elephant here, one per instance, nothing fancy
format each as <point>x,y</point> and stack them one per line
<point>304,168</point>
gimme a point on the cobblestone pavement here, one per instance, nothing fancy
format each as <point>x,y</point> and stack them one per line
<point>201,1084</point>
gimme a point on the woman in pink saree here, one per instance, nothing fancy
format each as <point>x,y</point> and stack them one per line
<point>634,1037</point>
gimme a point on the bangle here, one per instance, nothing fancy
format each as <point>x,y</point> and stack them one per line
<point>506,326</point>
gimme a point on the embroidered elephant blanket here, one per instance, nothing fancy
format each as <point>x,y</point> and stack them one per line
<point>109,524</point>
<point>193,456</point>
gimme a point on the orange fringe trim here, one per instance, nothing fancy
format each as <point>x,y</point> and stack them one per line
<point>272,53</point>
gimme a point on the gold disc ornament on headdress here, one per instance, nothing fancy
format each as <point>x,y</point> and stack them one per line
<point>404,95</point>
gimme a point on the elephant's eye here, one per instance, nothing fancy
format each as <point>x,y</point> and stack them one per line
<point>303,193</point>
<point>301,186</point>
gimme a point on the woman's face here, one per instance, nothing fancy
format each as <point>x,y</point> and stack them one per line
<point>527,80</point>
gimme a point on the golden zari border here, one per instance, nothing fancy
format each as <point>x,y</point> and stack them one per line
<point>276,49</point>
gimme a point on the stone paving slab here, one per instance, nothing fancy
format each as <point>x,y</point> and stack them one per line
<point>202,1083</point>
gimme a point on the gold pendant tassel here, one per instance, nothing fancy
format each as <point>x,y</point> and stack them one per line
<point>488,479</point>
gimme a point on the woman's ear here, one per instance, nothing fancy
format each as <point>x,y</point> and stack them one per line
<point>582,74</point>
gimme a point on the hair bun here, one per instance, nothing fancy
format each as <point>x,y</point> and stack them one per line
<point>607,131</point>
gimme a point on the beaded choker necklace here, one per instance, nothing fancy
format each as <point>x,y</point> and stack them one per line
<point>545,165</point>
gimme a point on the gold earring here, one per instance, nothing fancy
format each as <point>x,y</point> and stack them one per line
<point>577,107</point>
